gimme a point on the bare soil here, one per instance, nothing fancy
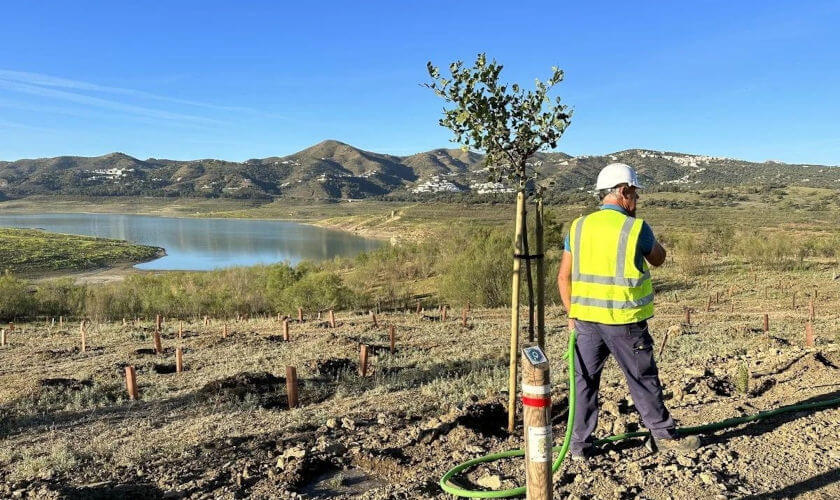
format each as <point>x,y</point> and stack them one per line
<point>222,429</point>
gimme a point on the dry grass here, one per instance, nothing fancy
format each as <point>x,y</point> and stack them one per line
<point>52,430</point>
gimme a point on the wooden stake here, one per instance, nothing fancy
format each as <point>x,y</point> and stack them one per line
<point>179,360</point>
<point>709,304</point>
<point>131,383</point>
<point>157,322</point>
<point>464,318</point>
<point>158,346</point>
<point>3,337</point>
<point>373,319</point>
<point>662,347</point>
<point>418,308</point>
<point>443,313</point>
<point>793,300</point>
<point>292,386</point>
<point>125,323</point>
<point>536,409</point>
<point>363,360</point>
<point>180,329</point>
<point>224,331</point>
<point>332,319</point>
<point>688,316</point>
<point>300,315</point>
<point>83,335</point>
<point>206,321</point>
<point>514,311</point>
<point>469,309</point>
<point>285,330</point>
<point>391,337</point>
<point>61,321</point>
<point>11,327</point>
<point>809,335</point>
<point>811,310</point>
<point>766,323</point>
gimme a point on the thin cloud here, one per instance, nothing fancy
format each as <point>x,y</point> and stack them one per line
<point>65,83</point>
<point>7,124</point>
<point>101,103</point>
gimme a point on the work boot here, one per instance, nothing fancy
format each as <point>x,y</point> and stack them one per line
<point>583,455</point>
<point>684,444</point>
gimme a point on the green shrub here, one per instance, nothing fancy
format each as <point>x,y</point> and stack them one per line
<point>477,268</point>
<point>318,291</point>
<point>15,299</point>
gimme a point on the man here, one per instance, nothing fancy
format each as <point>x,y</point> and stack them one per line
<point>605,286</point>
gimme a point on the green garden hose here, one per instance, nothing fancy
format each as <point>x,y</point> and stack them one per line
<point>562,450</point>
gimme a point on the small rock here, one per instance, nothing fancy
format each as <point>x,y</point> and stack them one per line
<point>474,449</point>
<point>491,481</point>
<point>332,423</point>
<point>610,407</point>
<point>296,452</point>
<point>706,478</point>
<point>335,449</point>
<point>348,424</point>
<point>620,425</point>
<point>685,461</point>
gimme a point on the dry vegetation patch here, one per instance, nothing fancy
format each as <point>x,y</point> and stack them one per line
<point>222,428</point>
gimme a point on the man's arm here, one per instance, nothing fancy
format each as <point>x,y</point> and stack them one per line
<point>648,246</point>
<point>656,257</point>
<point>564,283</point>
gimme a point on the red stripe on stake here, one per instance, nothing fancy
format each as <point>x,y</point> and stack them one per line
<point>537,402</point>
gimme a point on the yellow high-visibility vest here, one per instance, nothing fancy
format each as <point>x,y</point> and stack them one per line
<point>607,287</point>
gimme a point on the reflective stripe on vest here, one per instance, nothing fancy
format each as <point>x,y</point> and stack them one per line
<point>613,291</point>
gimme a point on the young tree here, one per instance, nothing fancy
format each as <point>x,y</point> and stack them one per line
<point>509,125</point>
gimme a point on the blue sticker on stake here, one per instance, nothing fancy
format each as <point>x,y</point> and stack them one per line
<point>535,355</point>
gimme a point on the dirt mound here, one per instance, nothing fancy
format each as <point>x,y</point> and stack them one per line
<point>64,384</point>
<point>334,367</point>
<point>101,491</point>
<point>164,368</point>
<point>260,388</point>
<point>487,419</point>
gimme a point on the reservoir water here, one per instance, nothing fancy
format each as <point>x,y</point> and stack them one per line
<point>204,244</point>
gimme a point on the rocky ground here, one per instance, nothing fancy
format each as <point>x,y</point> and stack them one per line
<point>221,429</point>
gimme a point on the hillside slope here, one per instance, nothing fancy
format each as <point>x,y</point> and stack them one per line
<point>335,170</point>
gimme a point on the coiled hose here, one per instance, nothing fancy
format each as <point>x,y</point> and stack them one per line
<point>562,450</point>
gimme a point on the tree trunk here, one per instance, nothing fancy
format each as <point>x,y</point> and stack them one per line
<point>538,229</point>
<point>530,280</point>
<point>514,311</point>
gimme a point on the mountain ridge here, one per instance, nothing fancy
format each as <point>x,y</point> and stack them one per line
<point>333,169</point>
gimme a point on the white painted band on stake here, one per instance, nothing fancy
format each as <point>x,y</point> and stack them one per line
<point>536,389</point>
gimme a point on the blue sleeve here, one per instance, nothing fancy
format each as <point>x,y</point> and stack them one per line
<point>646,239</point>
<point>566,245</point>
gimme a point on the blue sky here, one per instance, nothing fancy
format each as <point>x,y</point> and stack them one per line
<point>185,80</point>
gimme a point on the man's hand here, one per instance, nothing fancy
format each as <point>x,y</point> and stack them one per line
<point>656,257</point>
<point>571,324</point>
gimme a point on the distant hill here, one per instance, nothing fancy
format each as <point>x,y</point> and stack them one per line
<point>334,170</point>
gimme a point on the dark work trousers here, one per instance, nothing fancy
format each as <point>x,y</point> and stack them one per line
<point>632,347</point>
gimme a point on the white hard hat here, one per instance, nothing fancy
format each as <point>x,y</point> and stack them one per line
<point>617,173</point>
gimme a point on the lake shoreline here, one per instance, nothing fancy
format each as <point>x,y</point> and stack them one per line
<point>187,243</point>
